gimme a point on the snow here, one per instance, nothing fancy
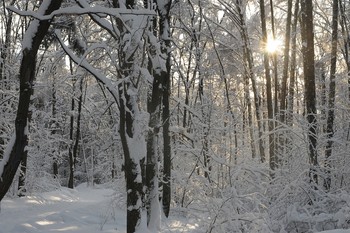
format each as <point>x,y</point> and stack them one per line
<point>337,231</point>
<point>87,210</point>
<point>82,210</point>
<point>7,153</point>
<point>83,63</point>
<point>33,27</point>
<point>117,12</point>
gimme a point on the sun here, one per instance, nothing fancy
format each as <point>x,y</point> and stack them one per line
<point>273,45</point>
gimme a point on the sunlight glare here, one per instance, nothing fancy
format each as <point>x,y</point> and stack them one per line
<point>273,45</point>
<point>45,222</point>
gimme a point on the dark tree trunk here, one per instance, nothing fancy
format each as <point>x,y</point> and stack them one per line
<point>54,123</point>
<point>71,133</point>
<point>270,113</point>
<point>166,197</point>
<point>133,176</point>
<point>166,90</point>
<point>74,152</point>
<point>154,124</point>
<point>309,80</point>
<point>26,75</point>
<point>283,103</point>
<point>331,97</point>
<point>133,162</point>
<point>153,108</point>
<point>206,129</point>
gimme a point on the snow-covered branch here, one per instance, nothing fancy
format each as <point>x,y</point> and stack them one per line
<point>83,63</point>
<point>76,10</point>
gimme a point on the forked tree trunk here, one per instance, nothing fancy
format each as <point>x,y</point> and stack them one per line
<point>133,142</point>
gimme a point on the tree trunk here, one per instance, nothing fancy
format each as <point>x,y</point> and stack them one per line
<point>283,103</point>
<point>166,50</point>
<point>307,35</point>
<point>290,102</point>
<point>26,75</point>
<point>331,97</point>
<point>133,142</point>
<point>71,133</point>
<point>132,160</point>
<point>54,123</point>
<point>249,66</point>
<point>75,146</point>
<point>270,113</point>
<point>153,108</point>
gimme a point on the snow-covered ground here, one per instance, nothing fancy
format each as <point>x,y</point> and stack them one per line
<point>337,231</point>
<point>82,210</point>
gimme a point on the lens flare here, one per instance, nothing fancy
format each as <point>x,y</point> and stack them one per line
<point>273,45</point>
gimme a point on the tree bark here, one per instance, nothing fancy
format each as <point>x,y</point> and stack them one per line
<point>166,90</point>
<point>71,134</point>
<point>129,129</point>
<point>331,97</point>
<point>75,145</point>
<point>270,113</point>
<point>153,108</point>
<point>132,164</point>
<point>283,103</point>
<point>307,35</point>
<point>54,123</point>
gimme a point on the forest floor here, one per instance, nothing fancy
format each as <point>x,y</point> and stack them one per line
<point>82,210</point>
